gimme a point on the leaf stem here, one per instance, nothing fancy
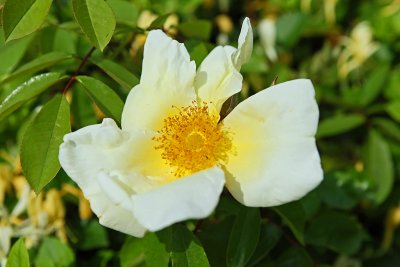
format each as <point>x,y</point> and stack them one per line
<point>73,77</point>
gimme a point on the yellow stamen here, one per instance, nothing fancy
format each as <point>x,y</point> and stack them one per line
<point>193,140</point>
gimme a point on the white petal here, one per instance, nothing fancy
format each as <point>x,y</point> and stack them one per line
<point>276,156</point>
<point>245,46</point>
<point>96,149</point>
<point>115,216</point>
<point>190,197</point>
<point>101,147</point>
<point>218,76</point>
<point>166,81</point>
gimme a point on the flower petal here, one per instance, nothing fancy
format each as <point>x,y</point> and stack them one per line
<point>166,81</point>
<point>190,197</point>
<point>245,46</point>
<point>276,157</point>
<point>218,76</point>
<point>93,150</point>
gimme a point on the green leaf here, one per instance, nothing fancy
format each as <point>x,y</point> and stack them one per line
<point>107,100</point>
<point>27,91</point>
<point>158,23</point>
<point>294,257</point>
<point>388,127</point>
<point>118,73</point>
<point>38,64</point>
<point>81,107</point>
<point>393,109</point>
<point>269,236</point>
<point>96,19</point>
<point>93,236</point>
<point>125,12</point>
<point>18,256</point>
<point>289,28</point>
<point>132,253</point>
<point>215,238</point>
<point>186,250</point>
<point>198,53</point>
<point>41,142</point>
<point>334,194</point>
<point>337,231</point>
<point>12,52</point>
<point>22,17</point>
<point>155,248</point>
<point>339,124</point>
<point>244,237</point>
<point>196,29</point>
<point>294,216</point>
<point>379,165</point>
<point>374,85</point>
<point>53,253</point>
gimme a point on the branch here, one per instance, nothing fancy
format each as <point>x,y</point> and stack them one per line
<point>73,77</point>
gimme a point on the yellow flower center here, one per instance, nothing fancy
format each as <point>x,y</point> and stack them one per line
<point>193,140</point>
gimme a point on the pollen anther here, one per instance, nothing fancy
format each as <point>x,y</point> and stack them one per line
<point>193,140</point>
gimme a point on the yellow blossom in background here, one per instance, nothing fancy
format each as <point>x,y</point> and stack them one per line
<point>145,19</point>
<point>357,49</point>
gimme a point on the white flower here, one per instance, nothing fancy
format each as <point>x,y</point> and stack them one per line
<point>267,32</point>
<point>172,157</point>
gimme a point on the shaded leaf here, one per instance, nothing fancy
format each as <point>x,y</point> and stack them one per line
<point>379,165</point>
<point>41,142</point>
<point>337,231</point>
<point>107,100</point>
<point>374,85</point>
<point>244,237</point>
<point>294,216</point>
<point>96,19</point>
<point>393,109</point>
<point>270,234</point>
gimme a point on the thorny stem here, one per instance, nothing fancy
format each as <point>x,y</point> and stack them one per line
<point>73,77</point>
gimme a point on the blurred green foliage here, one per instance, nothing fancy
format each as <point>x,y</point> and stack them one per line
<point>349,49</point>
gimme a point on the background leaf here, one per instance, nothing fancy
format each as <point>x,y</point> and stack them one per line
<point>379,165</point>
<point>337,231</point>
<point>41,142</point>
<point>96,19</point>
<point>107,100</point>
<point>18,256</point>
<point>53,253</point>
<point>339,124</point>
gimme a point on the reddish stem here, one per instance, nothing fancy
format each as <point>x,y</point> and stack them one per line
<point>73,77</point>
